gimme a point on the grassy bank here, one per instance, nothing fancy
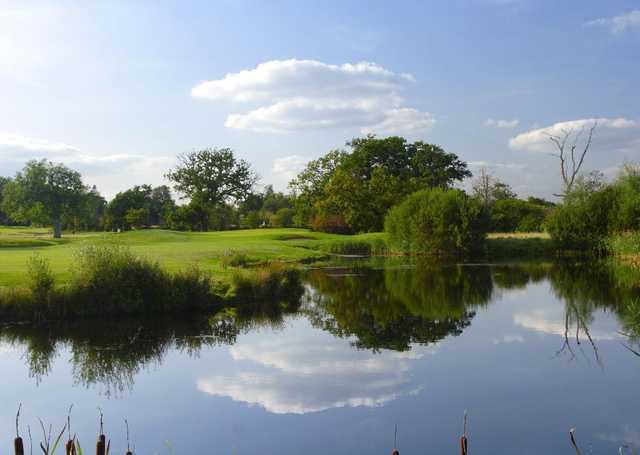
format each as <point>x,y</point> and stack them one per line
<point>175,251</point>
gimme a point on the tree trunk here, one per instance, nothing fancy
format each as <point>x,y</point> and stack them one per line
<point>57,229</point>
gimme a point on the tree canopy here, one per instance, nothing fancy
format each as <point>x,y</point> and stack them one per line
<point>212,177</point>
<point>352,192</point>
<point>44,192</point>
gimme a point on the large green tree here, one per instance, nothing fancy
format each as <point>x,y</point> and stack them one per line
<point>353,191</point>
<point>44,193</point>
<point>212,178</point>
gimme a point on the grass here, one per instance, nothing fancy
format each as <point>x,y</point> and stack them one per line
<point>626,246</point>
<point>517,245</point>
<point>174,251</point>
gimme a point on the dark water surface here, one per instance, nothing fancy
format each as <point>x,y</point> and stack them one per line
<point>529,350</point>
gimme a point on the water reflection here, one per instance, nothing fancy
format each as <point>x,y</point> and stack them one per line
<point>309,371</point>
<point>387,311</point>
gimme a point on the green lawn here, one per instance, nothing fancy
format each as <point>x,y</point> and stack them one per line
<point>173,250</point>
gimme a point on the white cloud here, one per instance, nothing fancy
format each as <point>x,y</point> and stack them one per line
<point>313,372</point>
<point>618,24</point>
<point>537,140</point>
<point>504,124</point>
<point>551,321</point>
<point>294,95</point>
<point>16,150</point>
<point>288,167</point>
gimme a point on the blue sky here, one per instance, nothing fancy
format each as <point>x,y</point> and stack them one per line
<point>115,89</point>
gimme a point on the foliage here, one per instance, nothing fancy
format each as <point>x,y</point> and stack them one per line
<point>139,206</point>
<point>283,217</point>
<point>309,185</point>
<point>516,215</point>
<point>41,281</point>
<point>437,221</point>
<point>626,214</point>
<point>582,222</point>
<point>212,178</point>
<point>43,193</point>
<point>268,208</point>
<point>137,218</point>
<point>272,282</point>
<point>352,192</point>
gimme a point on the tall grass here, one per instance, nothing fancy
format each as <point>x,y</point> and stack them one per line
<point>109,280</point>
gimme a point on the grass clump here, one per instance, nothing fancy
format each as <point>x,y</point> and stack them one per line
<point>234,258</point>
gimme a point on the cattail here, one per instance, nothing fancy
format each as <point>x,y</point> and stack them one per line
<point>464,443</point>
<point>126,423</point>
<point>101,445</point>
<point>70,446</point>
<point>574,443</point>
<point>18,445</point>
<point>395,441</point>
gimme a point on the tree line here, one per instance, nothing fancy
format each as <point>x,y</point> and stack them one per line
<point>348,190</point>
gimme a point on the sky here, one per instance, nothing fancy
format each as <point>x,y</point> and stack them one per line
<point>118,89</point>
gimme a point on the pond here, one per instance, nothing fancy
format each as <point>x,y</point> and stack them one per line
<point>528,350</point>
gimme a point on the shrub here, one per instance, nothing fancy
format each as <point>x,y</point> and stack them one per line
<point>283,217</point>
<point>110,279</point>
<point>233,258</point>
<point>332,223</point>
<point>40,280</point>
<point>582,222</point>
<point>626,216</point>
<point>511,215</point>
<point>437,221</point>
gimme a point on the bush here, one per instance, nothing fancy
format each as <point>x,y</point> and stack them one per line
<point>331,223</point>
<point>233,258</point>
<point>110,279</point>
<point>626,215</point>
<point>437,221</point>
<point>511,215</point>
<point>41,281</point>
<point>583,222</point>
<point>283,218</point>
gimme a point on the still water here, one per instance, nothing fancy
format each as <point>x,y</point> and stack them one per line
<point>529,351</point>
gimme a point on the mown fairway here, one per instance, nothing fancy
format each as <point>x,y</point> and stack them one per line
<point>173,250</point>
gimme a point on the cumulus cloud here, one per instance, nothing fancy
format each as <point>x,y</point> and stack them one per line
<point>16,150</point>
<point>288,167</point>
<point>314,372</point>
<point>504,124</point>
<point>537,140</point>
<point>294,95</point>
<point>551,321</point>
<point>618,24</point>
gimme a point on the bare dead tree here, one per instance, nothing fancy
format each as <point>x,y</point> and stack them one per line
<point>483,186</point>
<point>571,154</point>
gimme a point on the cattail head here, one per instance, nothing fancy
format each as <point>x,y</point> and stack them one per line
<point>395,452</point>
<point>18,446</point>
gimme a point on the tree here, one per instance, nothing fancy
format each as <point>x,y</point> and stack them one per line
<point>137,217</point>
<point>309,186</point>
<point>212,177</point>
<point>490,189</point>
<point>138,197</point>
<point>355,195</point>
<point>571,154</point>
<point>4,218</point>
<point>44,193</point>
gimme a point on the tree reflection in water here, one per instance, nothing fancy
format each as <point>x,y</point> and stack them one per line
<point>111,353</point>
<point>390,308</point>
<point>393,308</point>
